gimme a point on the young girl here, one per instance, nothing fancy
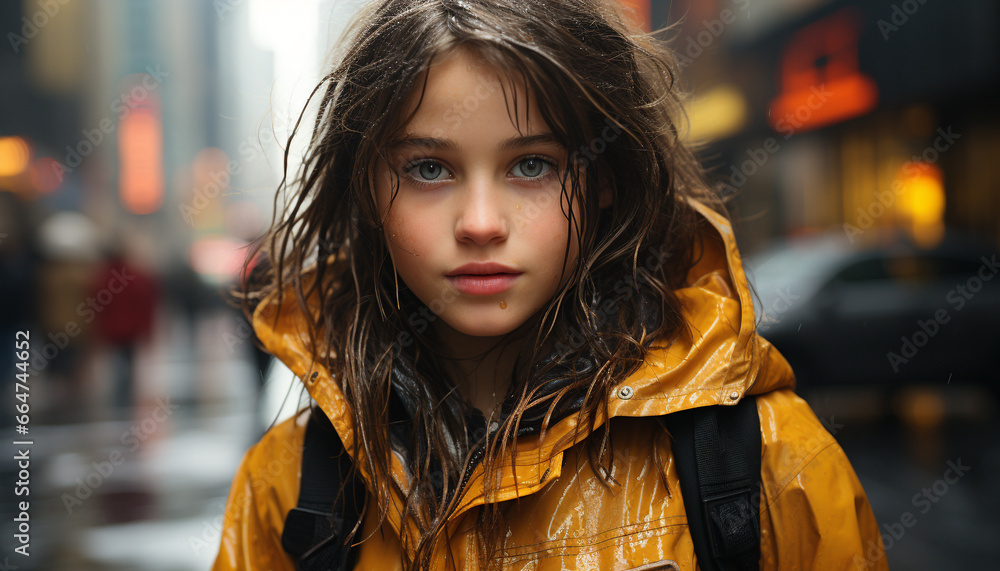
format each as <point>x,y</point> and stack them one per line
<point>500,276</point>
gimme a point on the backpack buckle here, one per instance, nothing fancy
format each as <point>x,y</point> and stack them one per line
<point>307,529</point>
<point>734,525</point>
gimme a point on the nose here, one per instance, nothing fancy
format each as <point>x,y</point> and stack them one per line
<point>482,217</point>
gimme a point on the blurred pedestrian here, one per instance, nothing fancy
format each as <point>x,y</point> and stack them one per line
<point>68,241</point>
<point>125,298</point>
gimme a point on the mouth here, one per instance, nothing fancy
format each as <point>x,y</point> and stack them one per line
<point>484,284</point>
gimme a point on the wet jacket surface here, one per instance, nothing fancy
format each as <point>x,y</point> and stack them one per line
<point>814,512</point>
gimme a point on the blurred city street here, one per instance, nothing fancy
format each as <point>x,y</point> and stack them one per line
<point>142,144</point>
<point>907,459</point>
<point>149,492</point>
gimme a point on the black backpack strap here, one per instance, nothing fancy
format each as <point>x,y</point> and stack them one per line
<point>316,529</point>
<point>717,451</point>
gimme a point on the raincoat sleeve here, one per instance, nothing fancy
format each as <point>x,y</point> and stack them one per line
<point>264,489</point>
<point>817,514</point>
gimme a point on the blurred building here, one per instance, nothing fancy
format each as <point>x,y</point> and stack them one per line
<point>157,126</point>
<point>846,113</point>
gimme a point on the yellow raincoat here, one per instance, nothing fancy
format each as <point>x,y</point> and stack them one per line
<point>814,512</point>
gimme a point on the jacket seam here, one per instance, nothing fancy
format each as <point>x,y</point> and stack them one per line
<point>580,548</point>
<point>613,529</point>
<point>799,468</point>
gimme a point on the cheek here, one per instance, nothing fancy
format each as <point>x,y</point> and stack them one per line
<point>408,236</point>
<point>415,242</point>
<point>544,221</point>
<point>548,233</point>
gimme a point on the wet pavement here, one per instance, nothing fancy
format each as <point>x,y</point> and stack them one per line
<point>928,459</point>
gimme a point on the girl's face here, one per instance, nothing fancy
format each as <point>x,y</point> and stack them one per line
<point>474,191</point>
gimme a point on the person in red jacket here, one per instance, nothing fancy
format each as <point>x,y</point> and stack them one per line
<point>125,299</point>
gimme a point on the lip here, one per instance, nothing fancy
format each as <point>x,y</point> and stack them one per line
<point>482,268</point>
<point>483,284</point>
<point>483,278</point>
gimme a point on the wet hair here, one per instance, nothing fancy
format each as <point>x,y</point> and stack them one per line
<point>592,74</point>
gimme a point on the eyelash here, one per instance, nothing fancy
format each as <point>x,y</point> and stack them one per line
<point>539,180</point>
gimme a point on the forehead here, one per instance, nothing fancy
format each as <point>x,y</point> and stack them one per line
<point>465,101</point>
<point>414,142</point>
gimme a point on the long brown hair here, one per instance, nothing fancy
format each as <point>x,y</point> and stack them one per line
<point>590,69</point>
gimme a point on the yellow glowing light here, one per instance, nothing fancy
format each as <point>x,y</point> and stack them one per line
<point>718,113</point>
<point>15,156</point>
<point>922,201</point>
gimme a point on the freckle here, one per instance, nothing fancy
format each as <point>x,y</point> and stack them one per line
<point>503,304</point>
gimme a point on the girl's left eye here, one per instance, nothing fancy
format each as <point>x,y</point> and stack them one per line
<point>535,168</point>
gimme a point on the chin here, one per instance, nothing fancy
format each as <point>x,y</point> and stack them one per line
<point>483,325</point>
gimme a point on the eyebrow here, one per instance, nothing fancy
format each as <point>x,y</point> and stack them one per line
<point>509,144</point>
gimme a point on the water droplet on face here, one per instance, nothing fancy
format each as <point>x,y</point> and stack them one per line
<point>503,304</point>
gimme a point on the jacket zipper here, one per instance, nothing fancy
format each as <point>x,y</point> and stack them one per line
<point>477,456</point>
<point>480,450</point>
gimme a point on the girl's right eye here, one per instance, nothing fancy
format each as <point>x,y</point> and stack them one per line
<point>429,169</point>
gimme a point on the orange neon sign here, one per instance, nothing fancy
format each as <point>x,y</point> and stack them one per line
<point>820,80</point>
<point>140,150</point>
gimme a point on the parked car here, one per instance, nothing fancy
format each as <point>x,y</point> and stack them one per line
<point>889,314</point>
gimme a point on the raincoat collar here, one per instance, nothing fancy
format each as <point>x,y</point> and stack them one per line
<point>724,361</point>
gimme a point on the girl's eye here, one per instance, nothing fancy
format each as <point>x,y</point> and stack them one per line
<point>427,169</point>
<point>536,169</point>
<point>430,170</point>
<point>533,166</point>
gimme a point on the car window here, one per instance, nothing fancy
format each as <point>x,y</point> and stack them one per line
<point>902,269</point>
<point>912,268</point>
<point>948,266</point>
<point>863,271</point>
<point>926,268</point>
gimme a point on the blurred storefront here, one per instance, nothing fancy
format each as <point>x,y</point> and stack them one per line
<point>850,114</point>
